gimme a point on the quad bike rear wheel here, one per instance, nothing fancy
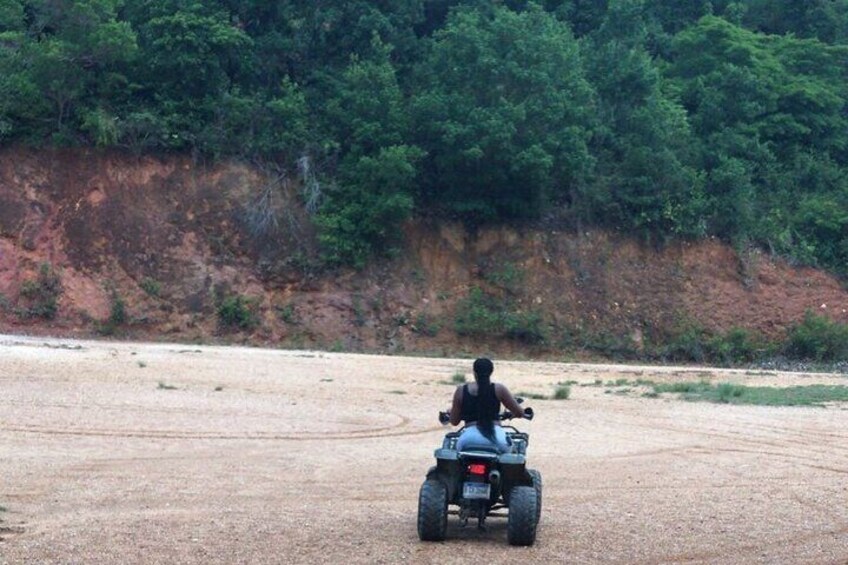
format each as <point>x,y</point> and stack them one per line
<point>432,511</point>
<point>522,518</point>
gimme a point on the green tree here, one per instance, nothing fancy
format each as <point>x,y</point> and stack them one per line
<point>771,112</point>
<point>503,111</point>
<point>826,20</point>
<point>364,213</point>
<point>646,177</point>
<point>67,65</point>
<point>372,195</point>
<point>190,51</point>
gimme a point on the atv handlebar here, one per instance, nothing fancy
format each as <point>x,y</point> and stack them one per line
<point>444,417</point>
<point>506,415</point>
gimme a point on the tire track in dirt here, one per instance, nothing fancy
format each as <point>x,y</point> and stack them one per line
<point>387,431</point>
<point>6,531</point>
<point>811,451</point>
<point>747,553</point>
<point>752,551</point>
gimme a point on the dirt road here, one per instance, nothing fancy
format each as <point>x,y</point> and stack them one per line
<point>133,453</point>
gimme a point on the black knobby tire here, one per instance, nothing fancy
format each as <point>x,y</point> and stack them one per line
<point>537,484</point>
<point>522,521</point>
<point>432,511</point>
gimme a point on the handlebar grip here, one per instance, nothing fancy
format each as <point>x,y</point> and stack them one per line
<point>528,413</point>
<point>444,418</point>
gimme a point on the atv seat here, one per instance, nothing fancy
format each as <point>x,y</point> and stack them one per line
<point>481,448</point>
<point>490,453</point>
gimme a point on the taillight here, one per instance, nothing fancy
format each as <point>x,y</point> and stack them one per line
<point>477,469</point>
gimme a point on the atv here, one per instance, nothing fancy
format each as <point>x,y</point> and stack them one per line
<point>481,481</point>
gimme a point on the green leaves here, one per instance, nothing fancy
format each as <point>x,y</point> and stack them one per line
<point>502,109</point>
<point>655,117</point>
<point>365,212</point>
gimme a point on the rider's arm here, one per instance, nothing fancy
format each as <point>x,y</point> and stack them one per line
<point>508,400</point>
<point>456,407</point>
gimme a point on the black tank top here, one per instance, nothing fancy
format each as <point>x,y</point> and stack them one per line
<point>471,404</point>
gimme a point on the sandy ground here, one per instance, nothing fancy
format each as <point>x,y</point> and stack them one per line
<point>261,456</point>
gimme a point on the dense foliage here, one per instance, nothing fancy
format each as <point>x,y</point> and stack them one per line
<point>656,117</point>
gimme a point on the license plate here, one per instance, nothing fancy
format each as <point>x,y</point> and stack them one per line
<point>475,490</point>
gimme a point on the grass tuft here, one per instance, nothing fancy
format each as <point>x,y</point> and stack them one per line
<point>562,392</point>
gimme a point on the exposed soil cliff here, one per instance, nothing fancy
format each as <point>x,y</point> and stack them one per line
<point>157,245</point>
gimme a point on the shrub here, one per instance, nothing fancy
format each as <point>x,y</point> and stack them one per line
<point>41,294</point>
<point>151,286</point>
<point>817,338</point>
<point>118,313</point>
<point>737,345</point>
<point>426,325</point>
<point>477,314</point>
<point>507,276</point>
<point>687,343</point>
<point>527,327</point>
<point>562,392</point>
<point>117,316</point>
<point>480,314</point>
<point>287,314</point>
<point>236,311</point>
<point>603,342</point>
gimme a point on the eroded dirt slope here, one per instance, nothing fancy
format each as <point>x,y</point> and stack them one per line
<point>171,238</point>
<point>132,453</point>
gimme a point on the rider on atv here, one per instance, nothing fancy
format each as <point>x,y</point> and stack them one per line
<point>479,404</point>
<point>482,468</point>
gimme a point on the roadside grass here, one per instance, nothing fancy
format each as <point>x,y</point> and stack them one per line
<point>532,395</point>
<point>165,386</point>
<point>458,378</point>
<point>729,393</point>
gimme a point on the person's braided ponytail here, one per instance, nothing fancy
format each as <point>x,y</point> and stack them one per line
<point>485,394</point>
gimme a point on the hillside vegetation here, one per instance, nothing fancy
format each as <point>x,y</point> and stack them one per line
<point>653,117</point>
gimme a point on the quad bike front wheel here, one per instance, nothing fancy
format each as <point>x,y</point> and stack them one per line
<point>432,511</point>
<point>522,518</point>
<point>537,484</point>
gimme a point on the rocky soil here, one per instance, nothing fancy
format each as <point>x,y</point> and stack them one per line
<point>171,239</point>
<point>165,453</point>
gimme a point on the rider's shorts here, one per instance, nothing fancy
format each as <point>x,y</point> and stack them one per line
<point>471,436</point>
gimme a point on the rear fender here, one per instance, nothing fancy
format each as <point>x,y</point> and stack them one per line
<point>447,470</point>
<point>514,469</point>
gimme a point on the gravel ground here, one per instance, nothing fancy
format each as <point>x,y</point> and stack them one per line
<point>152,453</point>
